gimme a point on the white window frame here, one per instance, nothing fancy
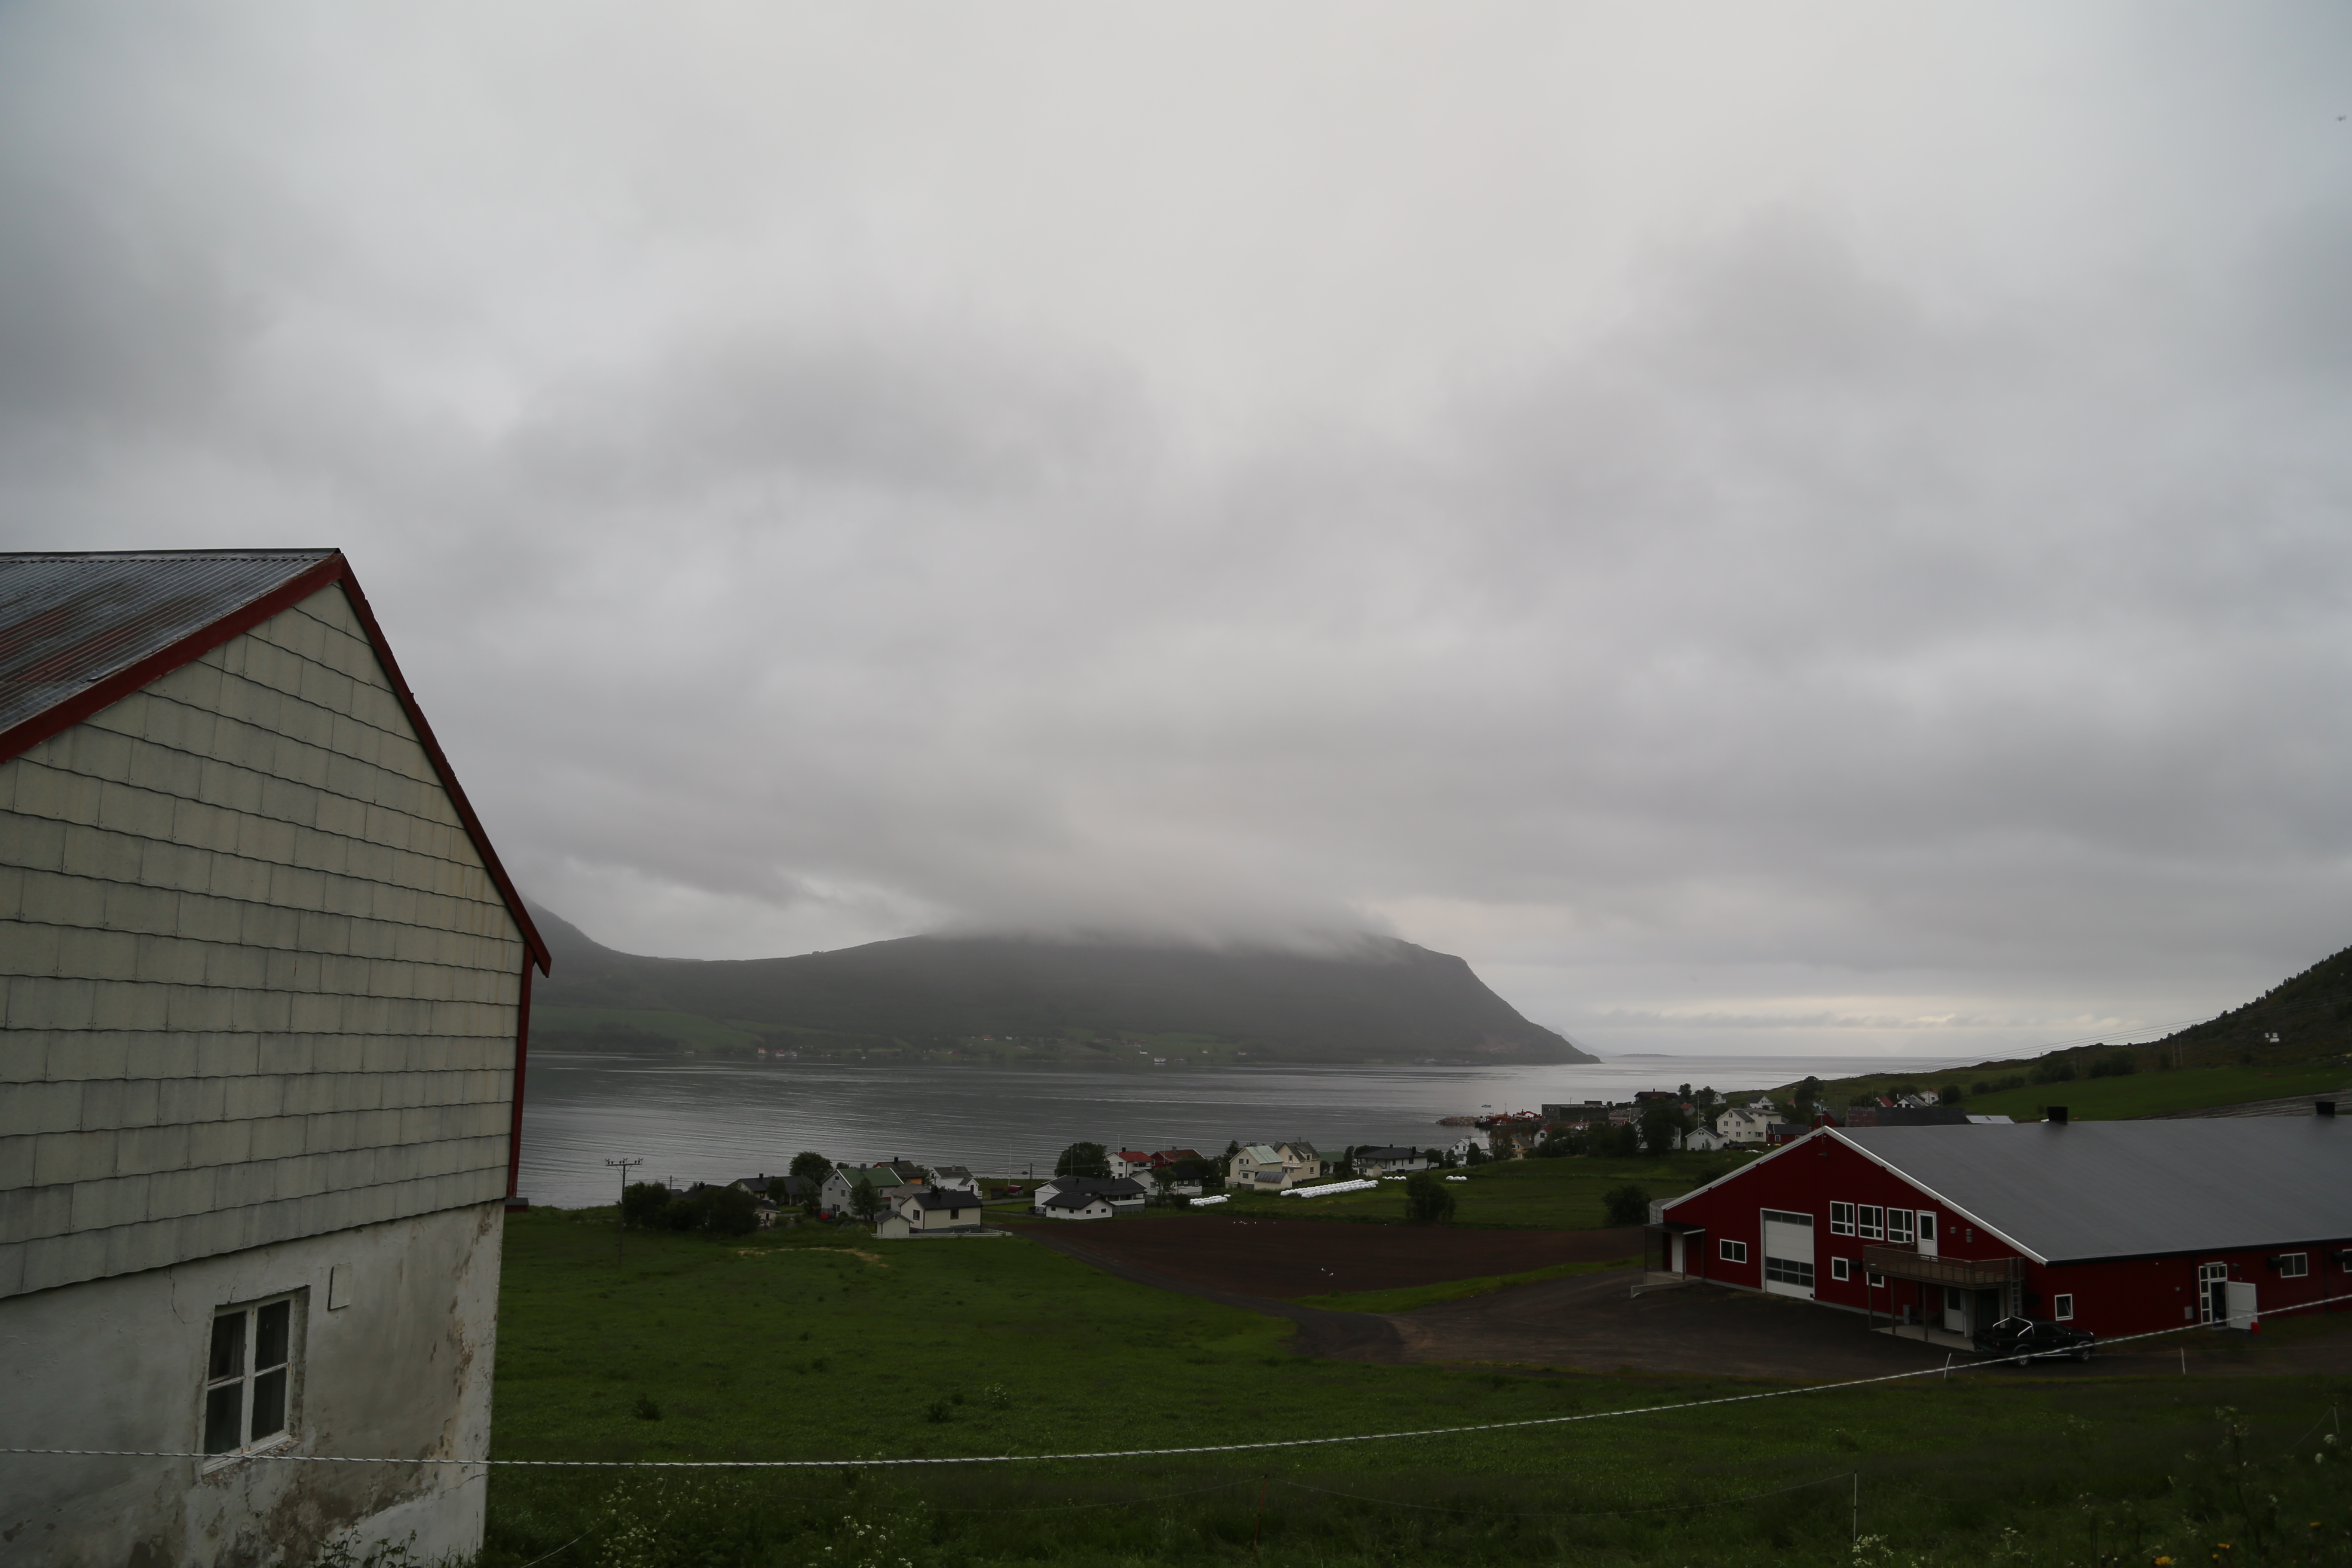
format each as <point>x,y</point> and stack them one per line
<point>1898,1227</point>
<point>2294,1265</point>
<point>280,1378</point>
<point>1731,1251</point>
<point>1841,1219</point>
<point>1870,1222</point>
<point>2061,1307</point>
<point>1841,1269</point>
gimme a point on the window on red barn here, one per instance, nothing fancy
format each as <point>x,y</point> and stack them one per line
<point>1872,1219</point>
<point>1733,1251</point>
<point>1841,1268</point>
<point>1841,1221</point>
<point>2062,1308</point>
<point>1898,1226</point>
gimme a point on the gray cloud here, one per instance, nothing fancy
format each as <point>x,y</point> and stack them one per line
<point>1823,550</point>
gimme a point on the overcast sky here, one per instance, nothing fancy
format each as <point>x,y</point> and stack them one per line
<point>1766,527</point>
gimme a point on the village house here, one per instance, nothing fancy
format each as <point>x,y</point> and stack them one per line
<point>953,1178</point>
<point>2117,1226</point>
<point>1391,1159</point>
<point>1274,1167</point>
<point>836,1194</point>
<point>1119,1191</point>
<point>1746,1126</point>
<point>941,1209</point>
<point>1130,1163</point>
<point>261,1083</point>
<point>1076,1204</point>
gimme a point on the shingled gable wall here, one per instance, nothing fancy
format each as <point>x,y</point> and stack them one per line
<point>258,984</point>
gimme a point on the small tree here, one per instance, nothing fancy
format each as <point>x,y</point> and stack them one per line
<point>728,1211</point>
<point>642,1204</point>
<point>1663,1126</point>
<point>812,1166</point>
<point>1083,1159</point>
<point>1628,1205</point>
<point>1950,1094</point>
<point>1427,1199</point>
<point>1477,1156</point>
<point>866,1200</point>
<point>1617,1140</point>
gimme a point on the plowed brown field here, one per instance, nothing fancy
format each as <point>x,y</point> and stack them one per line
<point>1292,1257</point>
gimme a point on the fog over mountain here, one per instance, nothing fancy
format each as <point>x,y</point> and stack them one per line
<point>1820,527</point>
<point>1375,1000</point>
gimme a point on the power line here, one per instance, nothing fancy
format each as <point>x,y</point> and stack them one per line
<point>1263,1446</point>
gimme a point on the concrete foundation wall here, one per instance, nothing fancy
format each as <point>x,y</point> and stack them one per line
<point>403,1370</point>
<point>257,984</point>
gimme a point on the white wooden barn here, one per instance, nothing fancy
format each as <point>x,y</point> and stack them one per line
<point>266,991</point>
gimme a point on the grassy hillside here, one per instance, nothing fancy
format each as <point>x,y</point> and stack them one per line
<point>997,998</point>
<point>810,1346</point>
<point>2225,1060</point>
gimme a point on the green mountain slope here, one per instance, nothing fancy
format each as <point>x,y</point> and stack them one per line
<point>1387,1001</point>
<point>2294,1038</point>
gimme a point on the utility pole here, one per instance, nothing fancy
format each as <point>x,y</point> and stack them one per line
<point>621,1232</point>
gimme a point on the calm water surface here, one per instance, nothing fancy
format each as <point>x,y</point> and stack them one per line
<point>695,1119</point>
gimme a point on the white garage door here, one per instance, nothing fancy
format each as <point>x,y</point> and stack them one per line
<point>1789,1253</point>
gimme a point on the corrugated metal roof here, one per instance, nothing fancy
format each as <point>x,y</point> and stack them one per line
<point>67,621</point>
<point>2127,1189</point>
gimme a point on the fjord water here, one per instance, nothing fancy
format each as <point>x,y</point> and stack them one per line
<point>691,1119</point>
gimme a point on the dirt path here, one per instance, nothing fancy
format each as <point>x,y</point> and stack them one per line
<point>1592,1322</point>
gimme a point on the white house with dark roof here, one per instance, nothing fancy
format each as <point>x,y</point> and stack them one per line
<point>261,1079</point>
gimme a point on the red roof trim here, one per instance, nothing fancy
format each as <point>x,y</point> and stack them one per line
<point>335,569</point>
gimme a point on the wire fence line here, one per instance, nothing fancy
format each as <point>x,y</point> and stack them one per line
<point>1263,1446</point>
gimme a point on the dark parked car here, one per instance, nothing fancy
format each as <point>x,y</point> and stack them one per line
<point>2035,1339</point>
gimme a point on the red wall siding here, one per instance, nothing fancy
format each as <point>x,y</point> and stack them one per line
<point>2111,1298</point>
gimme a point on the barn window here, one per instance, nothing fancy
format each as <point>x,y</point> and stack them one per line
<point>248,1376</point>
<point>1788,1272</point>
<point>2062,1308</point>
<point>1872,1222</point>
<point>1841,1268</point>
<point>1898,1227</point>
<point>1841,1221</point>
<point>1733,1251</point>
<point>2294,1265</point>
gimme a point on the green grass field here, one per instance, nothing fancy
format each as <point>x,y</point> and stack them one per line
<point>2144,1093</point>
<point>1544,1195</point>
<point>817,1346</point>
<point>2153,1093</point>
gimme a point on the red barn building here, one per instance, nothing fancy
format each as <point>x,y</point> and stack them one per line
<point>2121,1227</point>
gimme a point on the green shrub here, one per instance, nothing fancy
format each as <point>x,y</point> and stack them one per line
<point>1628,1205</point>
<point>1427,1200</point>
